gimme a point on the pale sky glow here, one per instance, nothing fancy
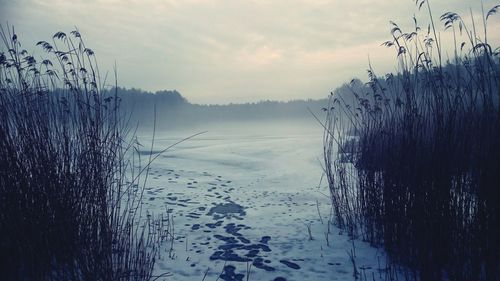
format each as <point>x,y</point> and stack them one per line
<point>233,51</point>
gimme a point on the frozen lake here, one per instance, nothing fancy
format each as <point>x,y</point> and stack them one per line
<point>248,195</point>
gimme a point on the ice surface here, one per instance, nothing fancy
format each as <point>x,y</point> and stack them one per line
<point>247,194</point>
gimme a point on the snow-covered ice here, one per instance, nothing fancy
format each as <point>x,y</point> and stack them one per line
<point>247,195</point>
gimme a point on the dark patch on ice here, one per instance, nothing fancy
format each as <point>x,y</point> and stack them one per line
<point>227,210</point>
<point>230,240</point>
<point>263,247</point>
<point>193,215</point>
<point>229,274</point>
<point>214,225</point>
<point>228,255</point>
<point>290,264</point>
<point>233,229</point>
<point>279,279</point>
<point>258,262</point>
<point>252,253</point>
<point>265,239</point>
<point>243,239</point>
<point>237,248</point>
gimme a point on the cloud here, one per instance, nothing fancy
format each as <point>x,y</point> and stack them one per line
<point>230,51</point>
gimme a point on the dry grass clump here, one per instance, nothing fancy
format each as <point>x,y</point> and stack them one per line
<point>70,205</point>
<point>419,170</point>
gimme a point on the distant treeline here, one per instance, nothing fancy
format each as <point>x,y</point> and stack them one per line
<point>172,109</point>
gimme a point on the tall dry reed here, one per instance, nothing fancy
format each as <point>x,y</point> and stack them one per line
<point>414,163</point>
<point>70,198</point>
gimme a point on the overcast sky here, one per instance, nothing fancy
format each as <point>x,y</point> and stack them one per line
<point>232,51</point>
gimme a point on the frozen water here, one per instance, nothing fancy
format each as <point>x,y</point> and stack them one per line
<point>246,195</point>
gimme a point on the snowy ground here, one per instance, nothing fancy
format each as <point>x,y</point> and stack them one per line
<point>247,196</point>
